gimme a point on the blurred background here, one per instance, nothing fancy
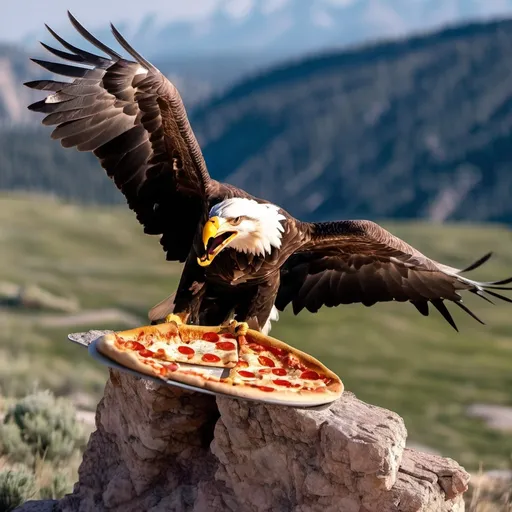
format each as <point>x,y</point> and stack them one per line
<point>398,111</point>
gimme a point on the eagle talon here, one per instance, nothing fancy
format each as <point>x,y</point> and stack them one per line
<point>238,328</point>
<point>177,319</point>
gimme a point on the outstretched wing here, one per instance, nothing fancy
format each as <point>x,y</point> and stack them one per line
<point>358,261</point>
<point>132,118</point>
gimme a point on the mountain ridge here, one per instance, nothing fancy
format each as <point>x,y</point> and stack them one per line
<point>416,128</point>
<point>459,176</point>
<point>287,27</point>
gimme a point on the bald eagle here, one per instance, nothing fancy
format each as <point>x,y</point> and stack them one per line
<point>244,258</point>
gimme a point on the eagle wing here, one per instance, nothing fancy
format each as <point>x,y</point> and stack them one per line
<point>360,262</point>
<point>132,118</point>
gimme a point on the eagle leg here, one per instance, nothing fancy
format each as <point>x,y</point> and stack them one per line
<point>177,318</point>
<point>238,328</point>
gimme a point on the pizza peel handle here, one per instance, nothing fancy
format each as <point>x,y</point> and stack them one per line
<point>84,339</point>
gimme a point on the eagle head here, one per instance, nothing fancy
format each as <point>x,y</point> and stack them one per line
<point>243,225</point>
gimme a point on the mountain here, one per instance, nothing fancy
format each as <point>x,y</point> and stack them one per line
<point>15,68</point>
<point>419,127</point>
<point>205,56</point>
<point>242,36</point>
<point>281,28</point>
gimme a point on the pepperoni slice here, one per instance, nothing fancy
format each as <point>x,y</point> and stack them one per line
<point>120,341</point>
<point>281,382</point>
<point>225,345</point>
<point>267,389</point>
<point>278,352</point>
<point>264,370</point>
<point>310,375</point>
<point>146,353</point>
<point>134,345</point>
<point>266,361</point>
<point>255,347</point>
<point>210,358</point>
<point>242,364</point>
<point>229,336</point>
<point>248,375</point>
<point>186,350</point>
<point>172,367</point>
<point>160,353</point>
<point>211,336</point>
<point>279,371</point>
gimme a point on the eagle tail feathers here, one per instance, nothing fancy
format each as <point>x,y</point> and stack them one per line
<point>165,307</point>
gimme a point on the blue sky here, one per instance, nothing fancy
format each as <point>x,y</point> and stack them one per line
<point>25,16</point>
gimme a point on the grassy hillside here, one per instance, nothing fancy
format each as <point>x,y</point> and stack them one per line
<point>388,354</point>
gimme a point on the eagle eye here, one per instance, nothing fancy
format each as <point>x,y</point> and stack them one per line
<point>236,221</point>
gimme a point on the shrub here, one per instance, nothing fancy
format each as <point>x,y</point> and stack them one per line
<point>47,425</point>
<point>59,486</point>
<point>16,487</point>
<point>12,445</point>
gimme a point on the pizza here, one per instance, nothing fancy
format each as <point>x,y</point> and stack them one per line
<point>254,366</point>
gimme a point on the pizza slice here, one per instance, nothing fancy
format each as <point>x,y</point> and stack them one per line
<point>166,343</point>
<point>254,366</point>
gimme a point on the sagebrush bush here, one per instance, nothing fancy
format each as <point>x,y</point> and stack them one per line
<point>16,487</point>
<point>12,445</point>
<point>48,425</point>
<point>57,488</point>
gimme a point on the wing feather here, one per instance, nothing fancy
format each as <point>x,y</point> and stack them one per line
<point>63,55</point>
<point>421,306</point>
<point>360,262</point>
<point>46,85</point>
<point>89,37</point>
<point>132,118</point>
<point>85,55</point>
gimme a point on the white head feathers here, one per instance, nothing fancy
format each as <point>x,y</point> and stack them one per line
<point>260,228</point>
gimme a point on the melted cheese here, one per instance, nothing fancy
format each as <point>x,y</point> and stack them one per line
<point>200,348</point>
<point>263,375</point>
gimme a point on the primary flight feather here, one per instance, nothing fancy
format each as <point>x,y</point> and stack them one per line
<point>244,257</point>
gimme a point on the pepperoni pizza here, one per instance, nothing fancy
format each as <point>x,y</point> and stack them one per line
<point>253,366</point>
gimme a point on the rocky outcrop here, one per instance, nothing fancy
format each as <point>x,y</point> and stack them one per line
<point>160,448</point>
<point>34,297</point>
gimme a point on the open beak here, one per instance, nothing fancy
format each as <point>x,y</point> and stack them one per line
<point>217,233</point>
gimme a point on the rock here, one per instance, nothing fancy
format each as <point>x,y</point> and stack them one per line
<point>34,297</point>
<point>39,506</point>
<point>498,417</point>
<point>150,449</point>
<point>160,448</point>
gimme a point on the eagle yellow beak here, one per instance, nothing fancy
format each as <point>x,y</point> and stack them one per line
<point>217,233</point>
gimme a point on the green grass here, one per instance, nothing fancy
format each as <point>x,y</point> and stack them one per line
<point>388,355</point>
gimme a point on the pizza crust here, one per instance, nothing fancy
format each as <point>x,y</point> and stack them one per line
<point>106,345</point>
